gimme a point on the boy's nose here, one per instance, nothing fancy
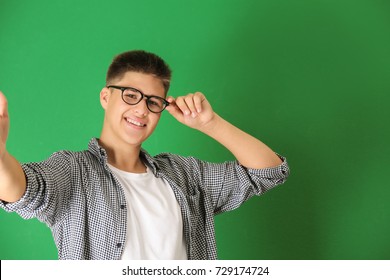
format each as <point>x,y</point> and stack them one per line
<point>141,107</point>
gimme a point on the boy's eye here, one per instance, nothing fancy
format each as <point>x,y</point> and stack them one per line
<point>132,96</point>
<point>152,102</point>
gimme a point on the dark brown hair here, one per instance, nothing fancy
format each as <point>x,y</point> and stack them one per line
<point>142,62</point>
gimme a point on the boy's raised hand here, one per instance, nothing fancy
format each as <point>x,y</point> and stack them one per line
<point>4,123</point>
<point>192,110</point>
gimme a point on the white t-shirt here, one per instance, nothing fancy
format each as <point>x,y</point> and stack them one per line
<point>154,221</point>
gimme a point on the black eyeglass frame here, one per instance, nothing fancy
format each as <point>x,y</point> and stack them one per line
<point>122,89</point>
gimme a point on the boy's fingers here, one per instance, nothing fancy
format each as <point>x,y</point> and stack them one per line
<point>189,100</point>
<point>3,105</point>
<point>198,99</point>
<point>4,123</point>
<point>170,99</point>
<point>181,104</point>
<point>173,109</point>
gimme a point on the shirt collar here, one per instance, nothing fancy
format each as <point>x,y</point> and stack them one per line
<point>101,154</point>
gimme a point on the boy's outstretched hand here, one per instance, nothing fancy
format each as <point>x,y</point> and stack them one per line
<point>192,110</point>
<point>4,123</point>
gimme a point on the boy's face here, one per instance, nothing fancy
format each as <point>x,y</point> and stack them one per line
<point>129,124</point>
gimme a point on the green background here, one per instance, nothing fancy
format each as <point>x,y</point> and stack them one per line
<point>309,78</point>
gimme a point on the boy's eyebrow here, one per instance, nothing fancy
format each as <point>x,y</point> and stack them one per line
<point>133,88</point>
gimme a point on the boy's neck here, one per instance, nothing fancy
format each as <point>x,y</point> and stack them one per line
<point>124,158</point>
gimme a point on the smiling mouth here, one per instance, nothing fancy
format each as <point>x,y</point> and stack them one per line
<point>135,122</point>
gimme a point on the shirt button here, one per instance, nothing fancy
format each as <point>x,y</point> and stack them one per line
<point>118,245</point>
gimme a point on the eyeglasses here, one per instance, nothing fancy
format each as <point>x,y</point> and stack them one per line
<point>133,96</point>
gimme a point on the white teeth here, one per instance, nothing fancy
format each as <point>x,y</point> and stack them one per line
<point>135,122</point>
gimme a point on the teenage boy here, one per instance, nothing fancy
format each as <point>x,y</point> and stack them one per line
<point>114,200</point>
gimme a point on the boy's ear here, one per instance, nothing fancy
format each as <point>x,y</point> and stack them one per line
<point>104,97</point>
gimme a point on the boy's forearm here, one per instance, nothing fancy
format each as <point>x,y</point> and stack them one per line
<point>12,179</point>
<point>249,151</point>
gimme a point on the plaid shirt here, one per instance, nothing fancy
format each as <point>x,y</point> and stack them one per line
<point>79,198</point>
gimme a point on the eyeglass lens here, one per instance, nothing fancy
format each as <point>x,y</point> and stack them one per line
<point>154,103</point>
